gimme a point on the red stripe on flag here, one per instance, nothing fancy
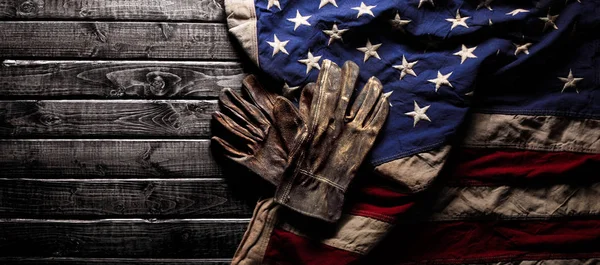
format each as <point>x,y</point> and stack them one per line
<point>287,248</point>
<point>474,242</point>
<point>487,167</point>
<point>378,199</point>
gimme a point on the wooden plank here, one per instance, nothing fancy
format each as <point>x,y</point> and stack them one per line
<point>102,198</point>
<point>107,159</point>
<point>68,39</point>
<point>117,79</point>
<point>106,118</point>
<point>110,261</point>
<point>145,10</point>
<point>121,238</point>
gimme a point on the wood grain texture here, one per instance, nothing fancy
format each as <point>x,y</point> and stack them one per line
<point>107,159</point>
<point>121,238</point>
<point>109,261</point>
<point>117,79</point>
<point>60,39</point>
<point>146,10</point>
<point>159,198</point>
<point>106,118</point>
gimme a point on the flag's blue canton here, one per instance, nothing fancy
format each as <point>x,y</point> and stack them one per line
<point>441,58</point>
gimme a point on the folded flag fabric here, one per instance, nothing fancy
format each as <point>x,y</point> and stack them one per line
<point>502,93</point>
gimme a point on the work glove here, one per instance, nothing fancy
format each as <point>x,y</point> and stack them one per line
<point>332,140</point>
<point>245,133</point>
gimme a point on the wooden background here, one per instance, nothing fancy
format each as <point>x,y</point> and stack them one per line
<point>104,122</point>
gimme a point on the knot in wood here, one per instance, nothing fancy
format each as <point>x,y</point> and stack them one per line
<point>50,119</point>
<point>199,107</point>
<point>117,92</point>
<point>28,7</point>
<point>120,207</point>
<point>160,83</point>
<point>85,13</point>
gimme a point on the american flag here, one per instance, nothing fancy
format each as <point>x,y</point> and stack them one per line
<point>496,101</point>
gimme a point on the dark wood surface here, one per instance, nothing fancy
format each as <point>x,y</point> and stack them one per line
<point>144,10</point>
<point>69,39</point>
<point>102,198</point>
<point>110,261</point>
<point>105,110</point>
<point>117,79</point>
<point>107,158</point>
<point>104,118</point>
<point>126,238</point>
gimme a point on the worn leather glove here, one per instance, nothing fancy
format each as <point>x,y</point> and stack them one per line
<point>332,142</point>
<point>246,135</point>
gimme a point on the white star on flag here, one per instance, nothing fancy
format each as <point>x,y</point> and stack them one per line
<point>406,67</point>
<point>458,20</point>
<point>364,9</point>
<point>334,34</point>
<point>311,61</point>
<point>570,81</point>
<point>465,53</point>
<point>418,113</point>
<point>522,48</point>
<point>370,50</point>
<point>387,96</point>
<point>484,3</point>
<point>517,11</point>
<point>399,23</point>
<point>425,1</point>
<point>288,91</point>
<point>278,45</point>
<point>325,2</point>
<point>549,21</point>
<point>299,20</point>
<point>272,3</point>
<point>441,80</point>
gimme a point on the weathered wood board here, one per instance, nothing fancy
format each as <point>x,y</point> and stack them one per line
<point>145,10</point>
<point>110,261</point>
<point>105,109</point>
<point>68,39</point>
<point>117,79</point>
<point>106,118</point>
<point>107,159</point>
<point>120,198</point>
<point>121,238</point>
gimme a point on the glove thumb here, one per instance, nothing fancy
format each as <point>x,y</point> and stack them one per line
<point>287,122</point>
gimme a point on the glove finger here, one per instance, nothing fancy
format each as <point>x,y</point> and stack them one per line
<point>257,95</point>
<point>247,115</point>
<point>233,131</point>
<point>365,102</point>
<point>325,98</point>
<point>349,76</point>
<point>226,149</point>
<point>287,121</point>
<point>235,102</point>
<point>379,115</point>
<point>306,99</point>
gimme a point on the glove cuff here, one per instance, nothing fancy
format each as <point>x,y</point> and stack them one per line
<point>311,195</point>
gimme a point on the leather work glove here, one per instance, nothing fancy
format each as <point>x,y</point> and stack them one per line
<point>246,134</point>
<point>332,142</point>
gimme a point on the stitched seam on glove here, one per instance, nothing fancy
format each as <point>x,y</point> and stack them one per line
<point>288,185</point>
<point>322,179</point>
